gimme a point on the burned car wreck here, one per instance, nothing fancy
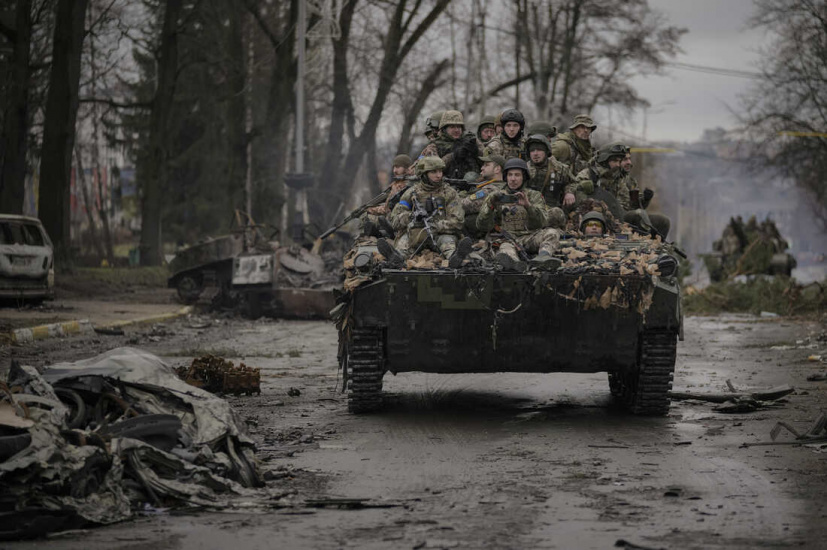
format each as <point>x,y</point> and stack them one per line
<point>90,442</point>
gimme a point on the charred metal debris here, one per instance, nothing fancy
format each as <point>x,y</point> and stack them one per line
<point>218,375</point>
<point>95,441</point>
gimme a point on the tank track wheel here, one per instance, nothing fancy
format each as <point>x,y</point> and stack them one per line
<point>366,367</point>
<point>646,392</point>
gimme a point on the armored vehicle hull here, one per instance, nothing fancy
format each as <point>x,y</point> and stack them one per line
<point>537,322</point>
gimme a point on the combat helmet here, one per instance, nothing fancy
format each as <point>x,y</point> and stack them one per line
<point>513,115</point>
<point>402,160</point>
<point>432,122</point>
<point>542,127</point>
<point>538,138</point>
<point>516,163</point>
<point>429,164</point>
<point>451,117</point>
<point>593,216</point>
<point>610,151</point>
<point>486,121</point>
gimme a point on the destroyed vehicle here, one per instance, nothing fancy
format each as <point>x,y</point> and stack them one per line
<point>613,305</point>
<point>749,249</point>
<point>259,278</point>
<point>26,259</point>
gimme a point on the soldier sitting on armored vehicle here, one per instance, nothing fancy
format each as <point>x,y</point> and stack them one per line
<point>485,130</point>
<point>429,214</point>
<point>518,221</point>
<point>374,221</point>
<point>593,224</point>
<point>492,174</point>
<point>605,172</point>
<point>549,176</point>
<point>575,147</point>
<point>510,143</point>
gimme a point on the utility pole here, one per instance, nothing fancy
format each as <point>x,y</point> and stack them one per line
<point>298,182</point>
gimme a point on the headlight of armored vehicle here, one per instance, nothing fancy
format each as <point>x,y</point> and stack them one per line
<point>667,265</point>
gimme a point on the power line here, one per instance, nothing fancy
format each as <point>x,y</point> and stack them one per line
<point>714,70</point>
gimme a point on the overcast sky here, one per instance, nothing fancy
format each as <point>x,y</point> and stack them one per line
<point>684,103</point>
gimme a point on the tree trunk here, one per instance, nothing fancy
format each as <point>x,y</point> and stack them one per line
<point>157,170</point>
<point>236,112</point>
<point>59,124</point>
<point>16,115</point>
<point>80,181</point>
<point>341,95</point>
<point>430,84</point>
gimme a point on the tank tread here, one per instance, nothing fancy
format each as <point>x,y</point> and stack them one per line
<point>646,392</point>
<point>366,366</point>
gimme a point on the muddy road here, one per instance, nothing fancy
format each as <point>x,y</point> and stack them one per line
<point>499,461</point>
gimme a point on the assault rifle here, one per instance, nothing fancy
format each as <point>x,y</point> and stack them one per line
<point>420,214</point>
<point>460,184</point>
<point>375,201</point>
<point>513,240</point>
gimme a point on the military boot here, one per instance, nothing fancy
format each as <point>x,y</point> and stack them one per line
<point>392,256</point>
<point>385,228</point>
<point>544,260</point>
<point>508,263</point>
<point>464,247</point>
<point>369,229</point>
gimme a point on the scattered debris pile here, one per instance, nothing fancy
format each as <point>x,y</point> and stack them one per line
<point>218,375</point>
<point>88,442</point>
<point>749,248</point>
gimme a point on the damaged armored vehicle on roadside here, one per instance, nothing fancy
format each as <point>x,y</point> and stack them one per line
<point>257,275</point>
<point>749,248</point>
<point>612,305</point>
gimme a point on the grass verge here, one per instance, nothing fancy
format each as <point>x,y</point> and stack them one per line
<point>780,295</point>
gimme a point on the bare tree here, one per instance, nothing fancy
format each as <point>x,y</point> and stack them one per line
<point>785,114</point>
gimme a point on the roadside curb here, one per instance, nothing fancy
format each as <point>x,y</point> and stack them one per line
<point>84,326</point>
<point>53,330</point>
<point>148,320</point>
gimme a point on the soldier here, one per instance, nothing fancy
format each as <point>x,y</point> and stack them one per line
<point>451,128</point>
<point>593,224</point>
<point>431,132</point>
<point>374,222</point>
<point>485,130</point>
<point>429,214</point>
<point>626,165</point>
<point>520,221</point>
<point>605,172</point>
<point>492,175</point>
<point>574,147</point>
<point>510,143</point>
<point>548,175</point>
<point>543,127</point>
<point>498,124</point>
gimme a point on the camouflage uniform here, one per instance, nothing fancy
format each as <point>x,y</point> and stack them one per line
<point>529,226</point>
<point>571,150</point>
<point>472,203</point>
<point>446,224</point>
<point>551,177</point>
<point>596,175</point>
<point>502,145</point>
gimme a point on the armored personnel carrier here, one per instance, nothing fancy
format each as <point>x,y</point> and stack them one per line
<point>612,306</point>
<point>750,248</point>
